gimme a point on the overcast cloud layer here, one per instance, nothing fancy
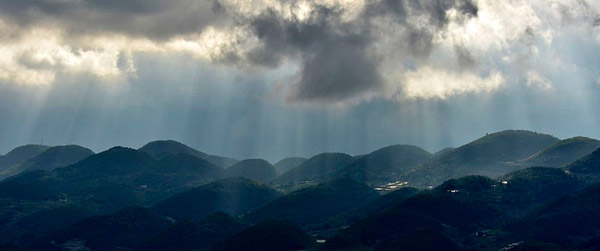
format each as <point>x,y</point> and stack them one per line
<point>313,75</point>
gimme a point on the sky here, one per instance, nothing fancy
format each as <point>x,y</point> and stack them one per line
<point>271,79</point>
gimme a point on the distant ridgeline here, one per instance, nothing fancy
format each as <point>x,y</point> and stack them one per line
<point>510,190</point>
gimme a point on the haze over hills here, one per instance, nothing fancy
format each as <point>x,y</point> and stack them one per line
<point>56,156</point>
<point>124,229</point>
<point>20,154</point>
<point>255,169</point>
<point>562,152</point>
<point>485,156</point>
<point>48,159</point>
<point>588,165</point>
<point>168,196</point>
<point>287,164</point>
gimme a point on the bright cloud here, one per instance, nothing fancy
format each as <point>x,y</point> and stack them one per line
<point>431,83</point>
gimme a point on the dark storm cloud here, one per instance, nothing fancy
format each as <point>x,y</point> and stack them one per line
<point>155,19</point>
<point>336,63</point>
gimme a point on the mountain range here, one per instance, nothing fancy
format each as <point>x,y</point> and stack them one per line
<point>514,189</point>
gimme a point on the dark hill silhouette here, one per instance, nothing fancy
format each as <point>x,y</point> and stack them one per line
<point>565,221</point>
<point>47,220</point>
<point>20,154</point>
<point>188,235</point>
<point>28,186</point>
<point>276,235</point>
<point>287,164</point>
<point>485,156</point>
<point>388,225</point>
<point>562,153</point>
<point>162,148</point>
<point>254,169</point>
<point>233,196</point>
<point>530,188</point>
<point>124,229</point>
<point>315,204</point>
<point>376,206</point>
<point>386,164</point>
<point>316,168</point>
<point>100,202</point>
<point>420,240</point>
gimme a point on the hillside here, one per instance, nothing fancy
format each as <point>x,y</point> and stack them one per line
<point>233,196</point>
<point>54,157</point>
<point>316,168</point>
<point>287,164</point>
<point>277,235</point>
<point>485,156</point>
<point>162,148</point>
<point>105,182</point>
<point>124,229</point>
<point>385,165</point>
<point>117,161</point>
<point>177,173</point>
<point>373,207</point>
<point>315,204</point>
<point>127,199</point>
<point>588,165</point>
<point>567,221</point>
<point>562,152</point>
<point>188,235</point>
<point>20,154</point>
<point>254,169</point>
